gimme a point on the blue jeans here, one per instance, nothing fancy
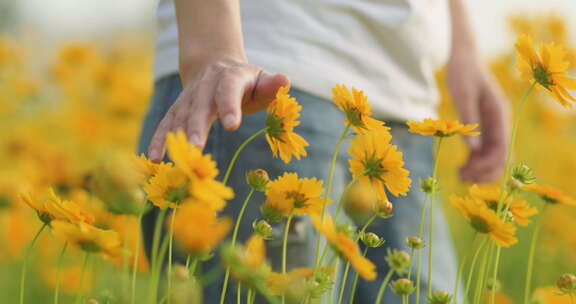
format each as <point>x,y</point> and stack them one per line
<point>321,125</point>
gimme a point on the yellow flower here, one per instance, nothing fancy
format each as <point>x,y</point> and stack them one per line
<point>550,195</point>
<point>168,188</point>
<point>288,193</point>
<point>346,247</point>
<point>248,263</point>
<point>485,220</point>
<point>278,283</point>
<point>147,167</point>
<point>50,207</point>
<point>356,108</point>
<point>547,69</point>
<point>490,195</point>
<point>282,117</point>
<point>441,128</point>
<point>200,169</point>
<point>89,238</point>
<point>379,163</point>
<point>198,229</point>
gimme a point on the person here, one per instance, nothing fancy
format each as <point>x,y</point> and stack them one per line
<point>220,62</point>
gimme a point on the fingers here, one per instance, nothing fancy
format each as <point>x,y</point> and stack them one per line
<point>200,115</point>
<point>264,91</point>
<point>228,98</point>
<point>156,148</point>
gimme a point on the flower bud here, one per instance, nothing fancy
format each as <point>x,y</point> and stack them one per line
<point>398,260</point>
<point>384,209</point>
<point>257,179</point>
<point>360,201</point>
<point>270,213</point>
<point>414,242</point>
<point>181,273</point>
<point>521,175</point>
<point>371,240</point>
<point>567,283</point>
<point>493,285</point>
<point>402,287</point>
<point>439,297</point>
<point>429,185</point>
<point>262,228</point>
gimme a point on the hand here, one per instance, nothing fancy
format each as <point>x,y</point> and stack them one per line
<point>478,99</point>
<point>222,89</point>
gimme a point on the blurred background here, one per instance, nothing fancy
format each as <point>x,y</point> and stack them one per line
<point>75,78</point>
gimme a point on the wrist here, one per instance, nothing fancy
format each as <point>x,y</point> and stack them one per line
<point>192,65</point>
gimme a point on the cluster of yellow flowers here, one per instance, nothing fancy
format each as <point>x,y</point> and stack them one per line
<point>69,161</point>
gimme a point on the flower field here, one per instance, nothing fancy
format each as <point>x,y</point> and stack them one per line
<point>73,191</point>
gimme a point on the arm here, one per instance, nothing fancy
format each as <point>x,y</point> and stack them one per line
<point>217,81</point>
<point>478,99</point>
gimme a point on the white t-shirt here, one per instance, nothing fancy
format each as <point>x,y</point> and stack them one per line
<point>391,49</point>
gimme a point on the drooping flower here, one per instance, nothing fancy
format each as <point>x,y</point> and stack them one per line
<point>247,263</point>
<point>289,193</point>
<point>546,68</point>
<point>356,108</point>
<point>441,128</point>
<point>346,247</point>
<point>490,195</point>
<point>198,229</point>
<point>89,238</point>
<point>550,195</point>
<point>282,117</point>
<point>379,163</point>
<point>50,207</point>
<point>485,220</point>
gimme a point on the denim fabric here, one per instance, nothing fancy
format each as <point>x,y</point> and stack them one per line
<point>321,125</point>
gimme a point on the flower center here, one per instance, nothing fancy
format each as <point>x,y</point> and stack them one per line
<point>374,167</point>
<point>479,224</point>
<point>275,126</point>
<point>298,198</point>
<point>177,195</point>
<point>354,117</point>
<point>542,76</point>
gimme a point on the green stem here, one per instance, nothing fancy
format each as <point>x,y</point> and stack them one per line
<point>82,275</point>
<point>473,267</point>
<point>234,237</point>
<point>25,263</point>
<point>170,245</point>
<point>135,261</point>
<point>58,271</point>
<point>530,268</point>
<point>382,288</point>
<point>284,246</point>
<point>329,190</point>
<point>419,250</point>
<point>237,153</point>
<point>239,294</point>
<point>192,267</point>
<point>405,299</point>
<point>432,199</point>
<point>356,280</point>
<point>152,288</point>
<point>343,283</point>
<point>480,282</point>
<point>250,296</point>
<point>333,291</point>
<point>363,230</point>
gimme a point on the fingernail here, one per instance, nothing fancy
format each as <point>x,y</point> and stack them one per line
<point>195,139</point>
<point>229,121</point>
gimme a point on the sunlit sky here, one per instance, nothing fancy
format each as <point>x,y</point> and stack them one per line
<point>78,18</point>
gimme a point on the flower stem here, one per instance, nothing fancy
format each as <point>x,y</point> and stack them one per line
<point>480,281</point>
<point>431,221</point>
<point>79,294</point>
<point>170,245</point>
<point>329,190</point>
<point>382,288</point>
<point>136,258</point>
<point>25,263</point>
<point>356,280</point>
<point>284,246</point>
<point>239,293</point>
<point>473,267</point>
<point>530,267</point>
<point>343,283</point>
<point>237,153</point>
<point>153,291</point>
<point>58,271</point>
<point>234,237</point>
<point>419,250</point>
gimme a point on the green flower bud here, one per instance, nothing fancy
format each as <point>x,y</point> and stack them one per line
<point>439,297</point>
<point>429,185</point>
<point>398,260</point>
<point>270,213</point>
<point>257,179</point>
<point>567,283</point>
<point>521,175</point>
<point>262,228</point>
<point>414,242</point>
<point>371,240</point>
<point>402,287</point>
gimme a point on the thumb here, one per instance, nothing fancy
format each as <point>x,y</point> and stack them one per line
<point>264,91</point>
